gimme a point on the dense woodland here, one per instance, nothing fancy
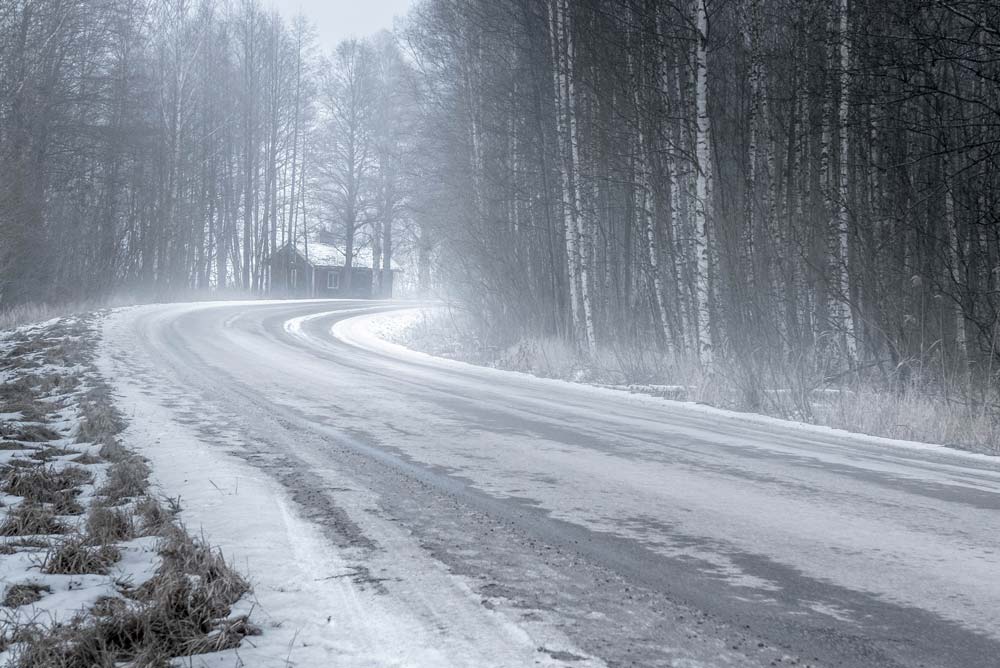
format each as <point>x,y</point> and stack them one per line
<point>806,187</point>
<point>169,146</point>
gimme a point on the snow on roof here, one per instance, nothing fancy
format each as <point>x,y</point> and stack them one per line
<point>328,255</point>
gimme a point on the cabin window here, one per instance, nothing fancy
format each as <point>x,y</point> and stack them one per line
<point>333,280</point>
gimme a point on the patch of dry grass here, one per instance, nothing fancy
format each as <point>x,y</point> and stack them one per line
<point>24,594</point>
<point>11,445</point>
<point>76,556</point>
<point>911,416</point>
<point>110,525</point>
<point>29,411</point>
<point>181,611</point>
<point>29,433</point>
<point>153,518</point>
<point>15,391</point>
<point>100,419</point>
<point>66,504</point>
<point>30,519</point>
<point>112,450</point>
<point>127,479</point>
<point>45,484</point>
<point>48,454</point>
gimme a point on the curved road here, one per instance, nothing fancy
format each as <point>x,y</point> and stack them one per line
<point>648,533</point>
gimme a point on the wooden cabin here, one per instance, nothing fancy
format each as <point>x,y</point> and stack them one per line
<point>317,270</point>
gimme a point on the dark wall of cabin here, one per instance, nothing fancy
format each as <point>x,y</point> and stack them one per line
<point>361,283</point>
<point>290,275</point>
<point>294,278</point>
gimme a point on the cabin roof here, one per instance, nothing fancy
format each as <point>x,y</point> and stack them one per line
<point>329,255</point>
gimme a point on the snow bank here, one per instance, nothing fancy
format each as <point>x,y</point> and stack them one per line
<point>379,332</point>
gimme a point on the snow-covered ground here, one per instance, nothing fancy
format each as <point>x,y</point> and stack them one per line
<point>319,605</point>
<point>387,333</point>
<point>48,355</point>
<point>394,508</point>
<point>86,553</point>
<point>736,507</point>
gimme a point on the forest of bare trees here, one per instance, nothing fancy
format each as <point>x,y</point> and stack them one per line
<point>166,147</point>
<point>805,186</point>
<point>797,191</point>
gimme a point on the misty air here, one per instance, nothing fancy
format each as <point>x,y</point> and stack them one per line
<point>499,333</point>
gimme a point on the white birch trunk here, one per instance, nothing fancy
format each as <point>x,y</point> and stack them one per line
<point>750,42</point>
<point>846,321</point>
<point>583,234</point>
<point>569,226</point>
<point>703,185</point>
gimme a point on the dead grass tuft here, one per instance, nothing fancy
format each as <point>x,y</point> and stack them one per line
<point>180,612</point>
<point>86,459</point>
<point>48,454</point>
<point>154,518</point>
<point>30,411</point>
<point>42,484</point>
<point>16,390</point>
<point>30,519</point>
<point>112,450</point>
<point>218,583</point>
<point>76,556</point>
<point>11,445</point>
<point>100,420</point>
<point>24,594</point>
<point>29,433</point>
<point>126,479</point>
<point>110,525</point>
<point>66,504</point>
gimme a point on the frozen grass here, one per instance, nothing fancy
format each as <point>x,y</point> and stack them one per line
<point>151,518</point>
<point>76,556</point>
<point>111,525</point>
<point>127,479</point>
<point>913,415</point>
<point>182,610</point>
<point>99,421</point>
<point>918,408</point>
<point>24,594</point>
<point>31,433</point>
<point>31,519</point>
<point>45,484</point>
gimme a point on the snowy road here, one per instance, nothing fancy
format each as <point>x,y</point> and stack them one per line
<point>398,510</point>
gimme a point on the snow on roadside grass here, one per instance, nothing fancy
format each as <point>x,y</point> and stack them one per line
<point>378,333</point>
<point>94,570</point>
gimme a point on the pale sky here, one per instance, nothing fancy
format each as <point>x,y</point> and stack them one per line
<point>338,19</point>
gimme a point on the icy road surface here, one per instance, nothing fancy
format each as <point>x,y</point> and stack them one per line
<point>394,509</point>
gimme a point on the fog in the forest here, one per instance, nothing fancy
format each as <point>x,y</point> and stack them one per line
<point>764,204</point>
